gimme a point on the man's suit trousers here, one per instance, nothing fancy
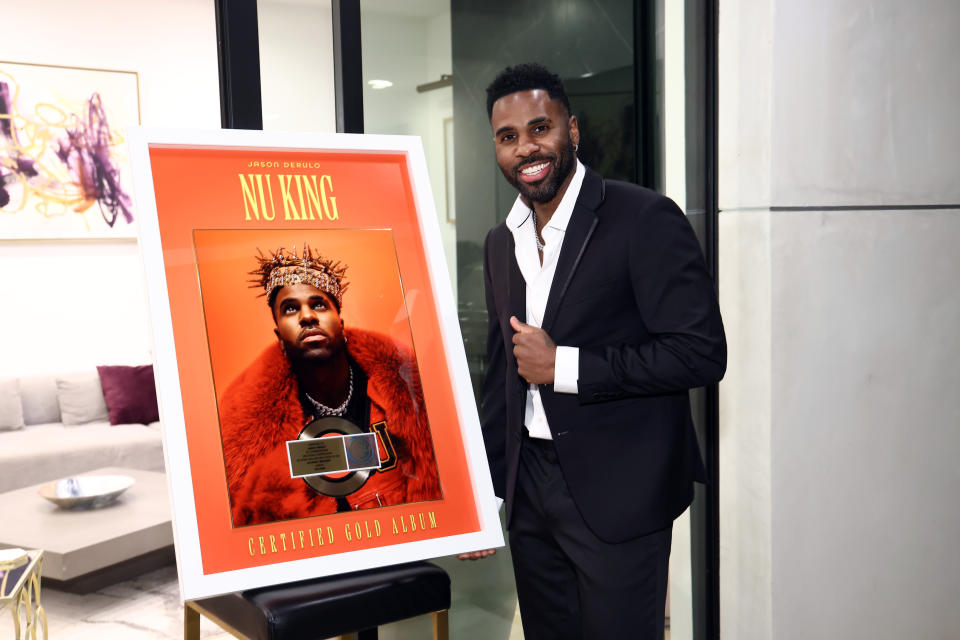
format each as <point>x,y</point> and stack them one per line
<point>571,584</point>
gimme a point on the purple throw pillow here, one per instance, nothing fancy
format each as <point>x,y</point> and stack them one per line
<point>130,394</point>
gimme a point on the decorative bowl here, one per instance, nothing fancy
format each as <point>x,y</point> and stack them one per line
<point>85,492</point>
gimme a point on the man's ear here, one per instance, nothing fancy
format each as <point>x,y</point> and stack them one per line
<point>574,128</point>
<point>277,333</point>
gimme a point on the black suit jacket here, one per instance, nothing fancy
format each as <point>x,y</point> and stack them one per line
<point>631,290</point>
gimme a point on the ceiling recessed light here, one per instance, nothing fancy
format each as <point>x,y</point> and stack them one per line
<point>379,84</point>
<point>587,74</point>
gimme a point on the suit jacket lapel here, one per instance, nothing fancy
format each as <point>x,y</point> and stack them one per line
<point>516,284</point>
<point>583,221</point>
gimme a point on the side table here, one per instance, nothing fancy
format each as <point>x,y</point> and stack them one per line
<point>20,590</point>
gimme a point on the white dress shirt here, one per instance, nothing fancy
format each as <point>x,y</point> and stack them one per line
<point>539,278</point>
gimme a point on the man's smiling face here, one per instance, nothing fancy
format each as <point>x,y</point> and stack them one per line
<point>534,137</point>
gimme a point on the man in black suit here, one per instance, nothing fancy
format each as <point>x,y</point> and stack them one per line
<point>590,443</point>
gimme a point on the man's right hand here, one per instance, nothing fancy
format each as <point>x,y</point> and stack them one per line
<point>477,555</point>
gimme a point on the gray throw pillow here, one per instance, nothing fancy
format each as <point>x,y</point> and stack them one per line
<point>38,395</point>
<point>11,411</point>
<point>81,398</point>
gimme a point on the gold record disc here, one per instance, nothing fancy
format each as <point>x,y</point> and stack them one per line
<point>334,487</point>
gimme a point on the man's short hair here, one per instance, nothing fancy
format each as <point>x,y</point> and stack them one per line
<point>526,77</point>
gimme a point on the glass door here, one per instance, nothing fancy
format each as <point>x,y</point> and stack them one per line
<point>636,73</point>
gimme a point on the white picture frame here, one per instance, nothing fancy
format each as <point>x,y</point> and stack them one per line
<point>186,475</point>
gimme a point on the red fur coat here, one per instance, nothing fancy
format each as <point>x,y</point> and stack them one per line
<point>261,410</point>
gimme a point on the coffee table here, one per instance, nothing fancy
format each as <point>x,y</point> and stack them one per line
<point>87,550</point>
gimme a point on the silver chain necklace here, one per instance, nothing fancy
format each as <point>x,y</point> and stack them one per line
<point>324,410</point>
<point>536,233</point>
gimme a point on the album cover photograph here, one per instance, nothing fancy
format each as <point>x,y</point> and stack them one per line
<point>319,398</point>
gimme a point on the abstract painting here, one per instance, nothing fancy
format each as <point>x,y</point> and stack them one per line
<point>64,171</point>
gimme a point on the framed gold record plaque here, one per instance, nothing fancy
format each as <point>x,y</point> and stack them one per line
<point>317,411</point>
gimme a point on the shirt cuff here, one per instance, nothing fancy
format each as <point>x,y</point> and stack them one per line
<point>566,370</point>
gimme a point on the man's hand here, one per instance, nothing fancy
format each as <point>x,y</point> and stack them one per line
<point>535,351</point>
<point>476,555</point>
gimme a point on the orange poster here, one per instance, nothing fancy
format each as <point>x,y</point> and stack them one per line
<point>314,394</point>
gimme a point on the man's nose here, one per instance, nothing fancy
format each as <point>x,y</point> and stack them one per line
<point>308,316</point>
<point>528,146</point>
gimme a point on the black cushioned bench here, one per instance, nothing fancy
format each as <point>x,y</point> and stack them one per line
<point>353,605</point>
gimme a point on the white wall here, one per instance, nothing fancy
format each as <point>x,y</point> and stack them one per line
<point>296,66</point>
<point>840,418</point>
<point>75,304</point>
<point>69,306</point>
<point>866,428</point>
<point>746,570</point>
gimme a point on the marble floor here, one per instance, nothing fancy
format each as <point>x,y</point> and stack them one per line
<point>145,608</point>
<point>149,608</point>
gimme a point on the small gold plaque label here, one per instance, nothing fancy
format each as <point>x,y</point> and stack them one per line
<point>320,455</point>
<point>333,454</point>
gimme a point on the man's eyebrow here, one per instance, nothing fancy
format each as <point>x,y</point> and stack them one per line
<point>502,129</point>
<point>310,299</point>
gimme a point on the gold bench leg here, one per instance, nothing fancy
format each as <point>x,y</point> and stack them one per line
<point>441,629</point>
<point>191,622</point>
<point>192,613</point>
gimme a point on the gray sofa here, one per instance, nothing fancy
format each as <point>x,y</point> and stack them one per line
<point>65,431</point>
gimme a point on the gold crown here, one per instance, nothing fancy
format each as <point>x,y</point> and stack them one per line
<point>282,268</point>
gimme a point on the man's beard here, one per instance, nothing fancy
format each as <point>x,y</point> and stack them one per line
<point>546,190</point>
